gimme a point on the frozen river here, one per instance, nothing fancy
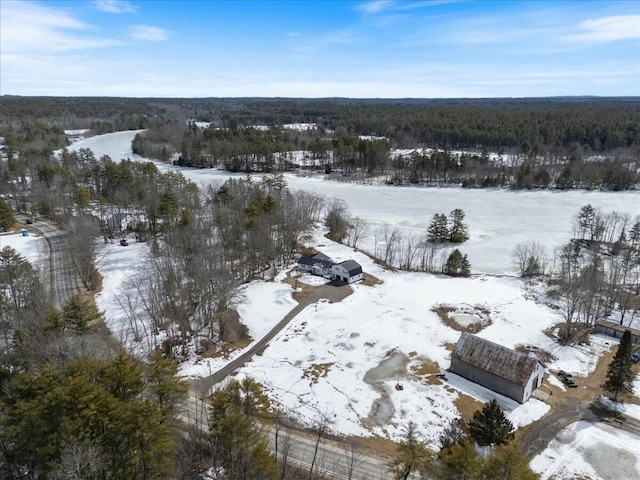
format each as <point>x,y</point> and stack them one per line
<point>498,219</point>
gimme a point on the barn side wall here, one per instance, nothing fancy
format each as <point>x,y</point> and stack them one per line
<point>488,380</point>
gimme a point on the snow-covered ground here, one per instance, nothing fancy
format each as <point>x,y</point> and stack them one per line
<point>498,219</point>
<point>344,360</point>
<point>32,247</point>
<point>594,451</point>
<point>324,362</point>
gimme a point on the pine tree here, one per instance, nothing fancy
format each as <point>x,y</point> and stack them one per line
<point>455,433</point>
<point>79,312</point>
<point>7,220</point>
<point>457,265</point>
<point>508,462</point>
<point>438,231</point>
<point>243,445</point>
<point>412,455</point>
<point>489,426</point>
<point>458,229</point>
<point>619,373</point>
<point>461,461</point>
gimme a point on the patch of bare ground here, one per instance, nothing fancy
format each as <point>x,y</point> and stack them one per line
<point>449,346</point>
<point>316,371</point>
<point>558,332</point>
<point>369,280</point>
<point>447,313</point>
<point>467,405</point>
<point>234,334</point>
<point>429,370</point>
<point>302,290</point>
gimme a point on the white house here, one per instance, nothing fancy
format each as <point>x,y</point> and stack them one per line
<point>319,264</point>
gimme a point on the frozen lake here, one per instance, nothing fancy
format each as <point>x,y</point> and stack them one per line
<point>498,219</point>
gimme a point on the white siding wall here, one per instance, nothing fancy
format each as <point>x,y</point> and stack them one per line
<point>532,384</point>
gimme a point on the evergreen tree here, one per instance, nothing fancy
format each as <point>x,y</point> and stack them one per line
<point>79,312</point>
<point>7,220</point>
<point>99,408</point>
<point>455,433</point>
<point>619,373</point>
<point>489,426</point>
<point>458,229</point>
<point>412,456</point>
<point>438,231</point>
<point>242,445</point>
<point>457,265</point>
<point>461,461</point>
<point>508,462</point>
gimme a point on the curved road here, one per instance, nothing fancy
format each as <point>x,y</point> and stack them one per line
<point>570,411</point>
<point>63,279</point>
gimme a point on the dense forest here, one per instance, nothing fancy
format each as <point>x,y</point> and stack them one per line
<point>516,143</point>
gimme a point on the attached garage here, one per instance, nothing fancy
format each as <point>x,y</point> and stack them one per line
<point>348,271</point>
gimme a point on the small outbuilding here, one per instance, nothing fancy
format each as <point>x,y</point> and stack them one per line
<point>348,271</point>
<point>513,374</point>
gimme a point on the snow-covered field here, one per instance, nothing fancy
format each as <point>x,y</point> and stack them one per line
<point>31,247</point>
<point>344,360</point>
<point>498,219</point>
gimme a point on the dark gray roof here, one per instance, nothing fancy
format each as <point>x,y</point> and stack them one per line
<point>316,259</point>
<point>352,267</point>
<point>307,261</point>
<point>503,362</point>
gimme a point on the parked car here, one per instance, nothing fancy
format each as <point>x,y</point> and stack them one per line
<point>635,358</point>
<point>567,378</point>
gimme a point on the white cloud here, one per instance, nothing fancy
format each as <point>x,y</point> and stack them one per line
<point>28,28</point>
<point>149,33</point>
<point>608,29</point>
<point>114,6</point>
<point>375,6</point>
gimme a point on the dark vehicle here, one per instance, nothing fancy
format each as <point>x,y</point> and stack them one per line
<point>567,378</point>
<point>635,358</point>
<point>28,221</point>
<point>124,242</point>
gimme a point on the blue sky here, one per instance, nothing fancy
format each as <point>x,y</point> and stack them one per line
<point>364,49</point>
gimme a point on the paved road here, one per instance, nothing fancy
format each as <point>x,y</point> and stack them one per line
<point>332,458</point>
<point>333,293</point>
<point>568,412</point>
<point>63,279</point>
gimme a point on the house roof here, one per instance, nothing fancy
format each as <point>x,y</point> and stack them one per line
<point>501,361</point>
<point>324,263</point>
<point>351,266</point>
<point>317,259</point>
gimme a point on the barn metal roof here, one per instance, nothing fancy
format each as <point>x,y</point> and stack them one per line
<point>501,361</point>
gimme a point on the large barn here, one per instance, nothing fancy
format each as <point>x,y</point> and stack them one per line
<point>513,374</point>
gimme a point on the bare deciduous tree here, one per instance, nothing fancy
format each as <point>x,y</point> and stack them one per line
<point>530,258</point>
